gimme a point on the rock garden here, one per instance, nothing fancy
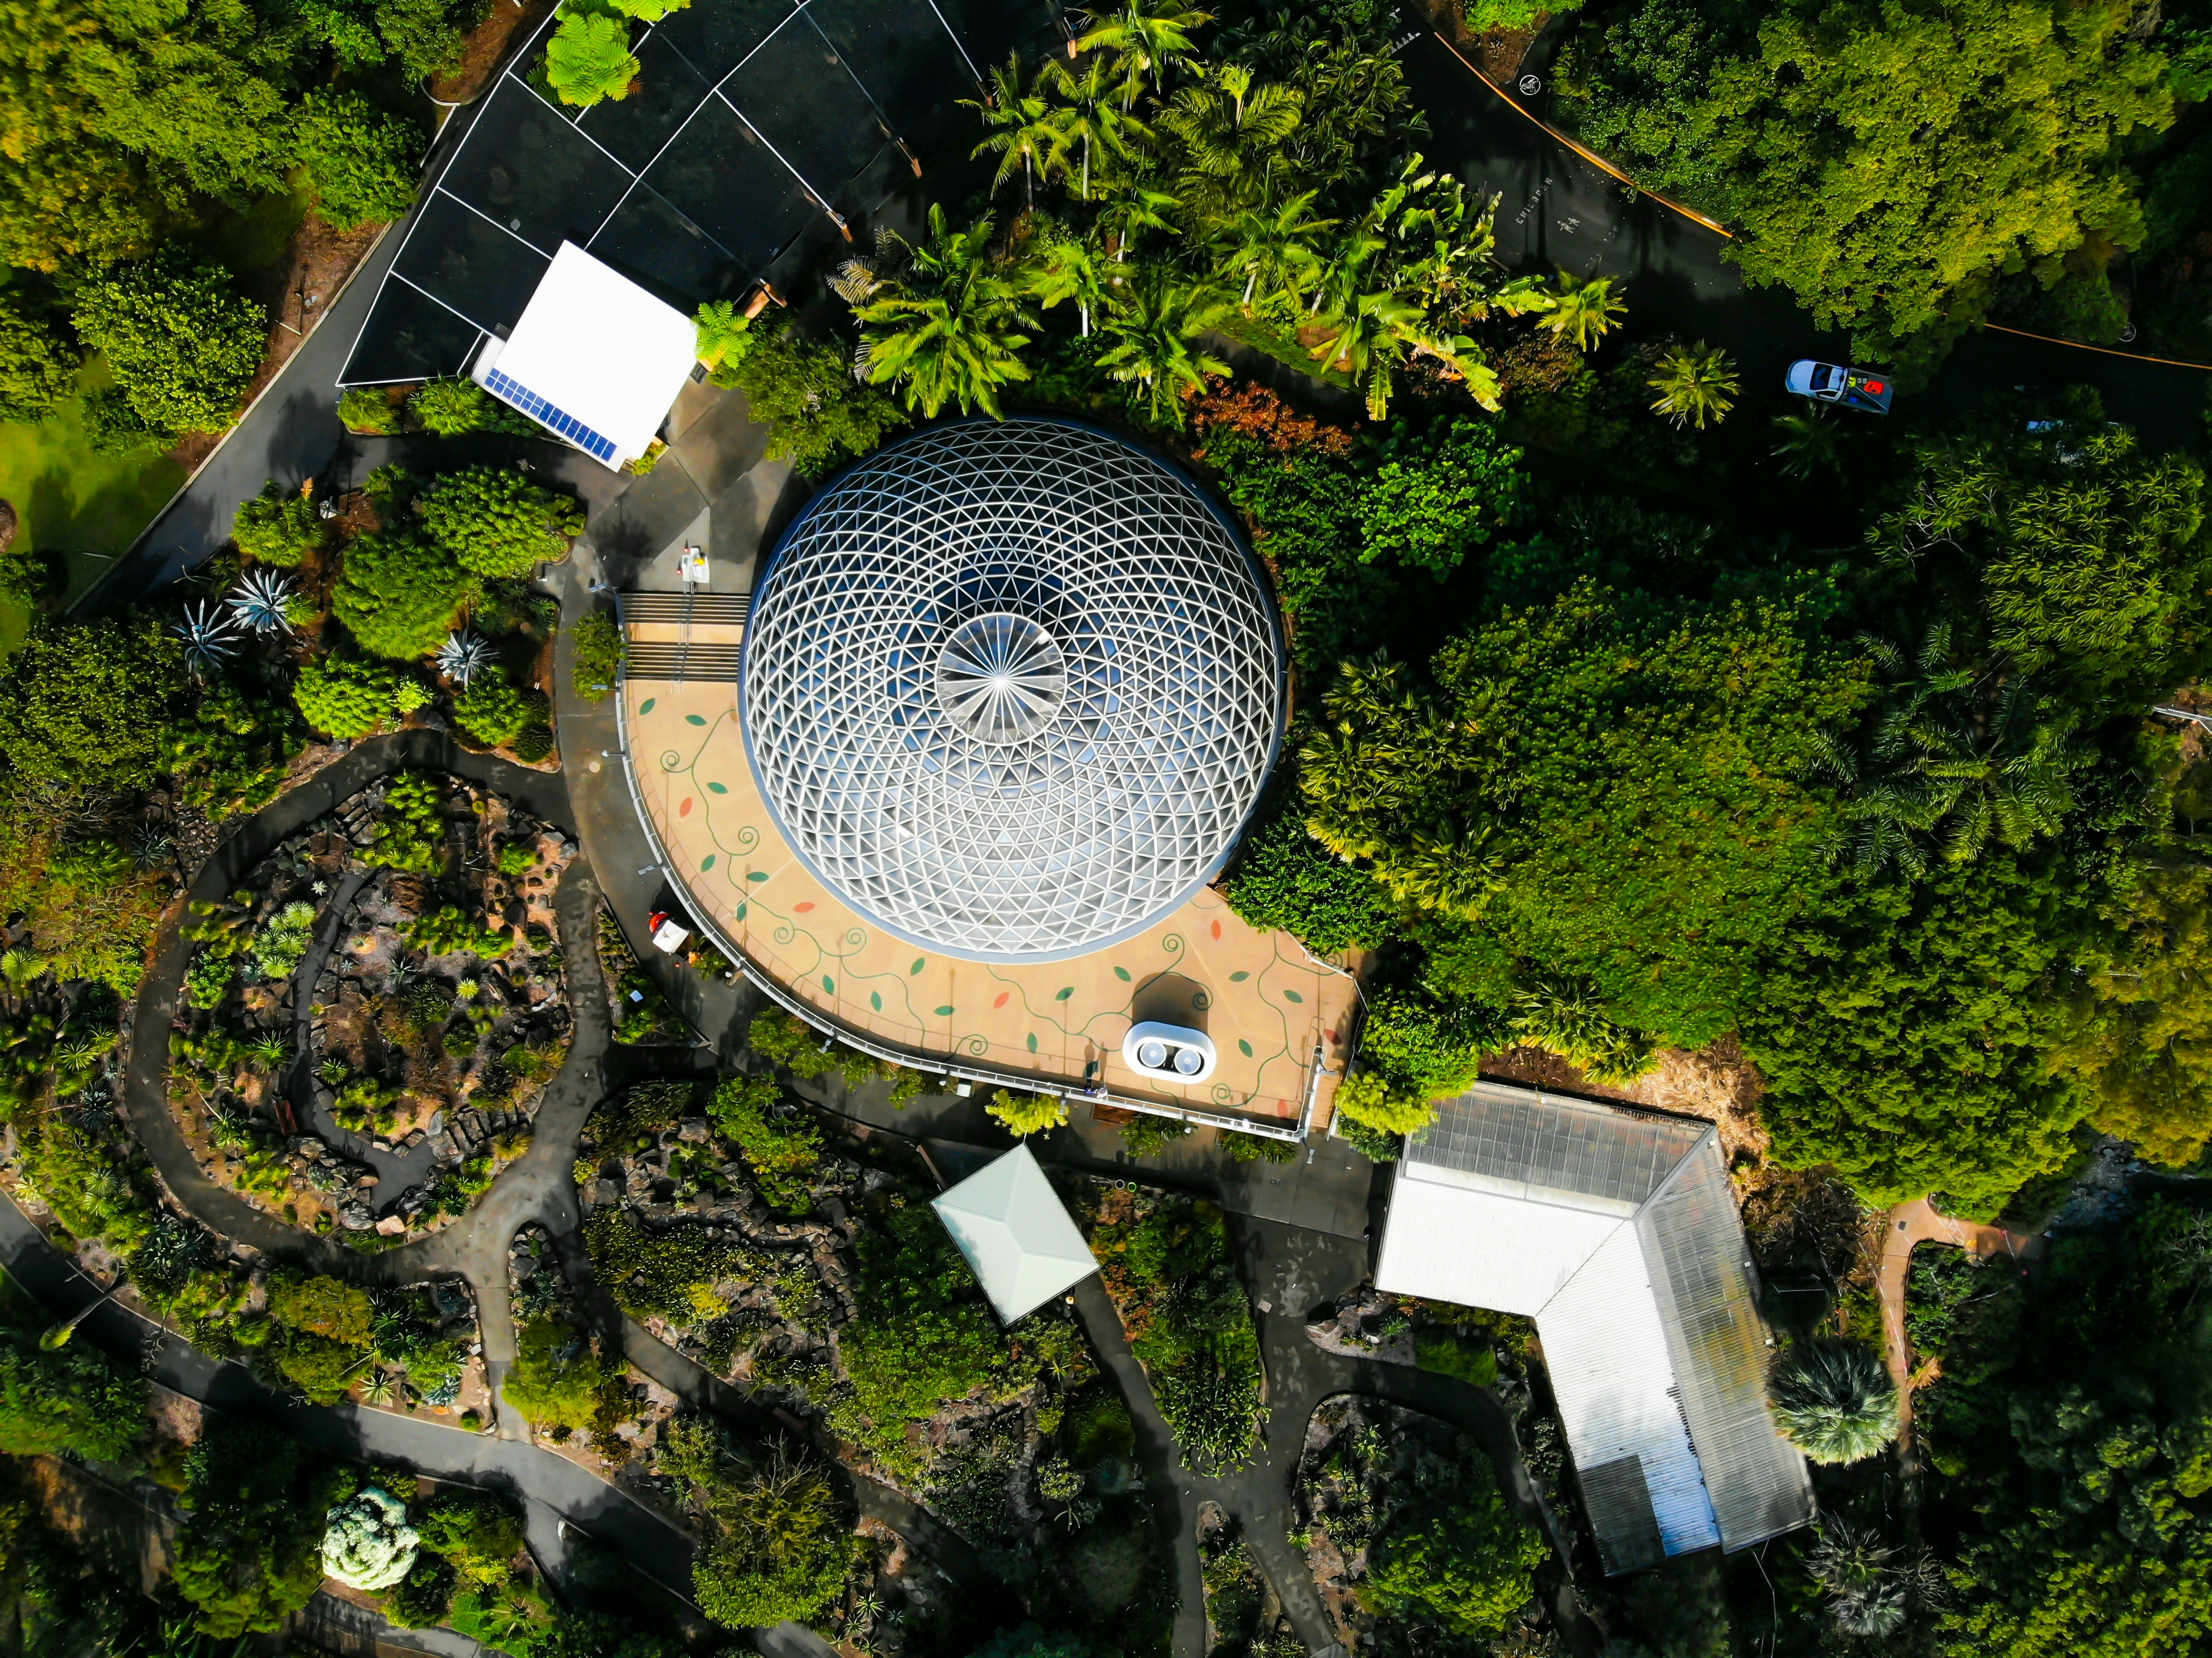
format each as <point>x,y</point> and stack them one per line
<point>568,1380</point>
<point>383,1096</point>
<point>1413,1544</point>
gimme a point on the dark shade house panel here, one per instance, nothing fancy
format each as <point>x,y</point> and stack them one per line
<point>409,336</point>
<point>731,186</point>
<point>635,128</point>
<point>992,29</point>
<point>906,58</point>
<point>472,265</point>
<point>660,249</point>
<point>715,35</point>
<point>797,93</point>
<point>534,173</point>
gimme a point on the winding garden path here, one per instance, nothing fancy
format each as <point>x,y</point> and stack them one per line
<point>1903,1228</point>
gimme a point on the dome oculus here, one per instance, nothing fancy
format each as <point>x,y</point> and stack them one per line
<point>1012,688</point>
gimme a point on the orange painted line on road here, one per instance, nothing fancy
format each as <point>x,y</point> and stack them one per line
<point>2106,350</point>
<point>1587,154</point>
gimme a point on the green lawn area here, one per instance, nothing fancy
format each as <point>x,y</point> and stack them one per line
<point>89,506</point>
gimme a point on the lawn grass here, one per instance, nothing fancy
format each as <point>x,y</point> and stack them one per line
<point>88,505</point>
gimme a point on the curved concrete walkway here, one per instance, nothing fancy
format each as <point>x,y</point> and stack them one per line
<point>1904,1227</point>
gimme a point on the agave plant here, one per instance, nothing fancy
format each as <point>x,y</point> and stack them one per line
<point>151,846</point>
<point>209,635</point>
<point>1834,1400</point>
<point>463,656</point>
<point>260,602</point>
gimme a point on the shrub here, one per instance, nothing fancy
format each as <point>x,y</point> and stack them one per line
<point>1147,1134</point>
<point>1467,1566</point>
<point>30,575</point>
<point>326,1307</point>
<point>1286,879</point>
<point>209,980</point>
<point>493,711</point>
<point>399,595</point>
<point>182,341</point>
<point>599,651</point>
<point>114,427</point>
<point>420,1600</point>
<point>1257,1148</point>
<point>556,1379</point>
<point>85,702</point>
<point>535,745</point>
<point>411,829</point>
<point>781,1154</point>
<point>1448,1353</point>
<point>277,526</point>
<point>360,160</point>
<point>451,408</point>
<point>72,1399</point>
<point>367,1541</point>
<point>446,931</point>
<point>282,943</point>
<point>1438,496</point>
<point>819,413</point>
<point>37,365</point>
<point>779,1550</point>
<point>497,523</point>
<point>249,1551</point>
<point>1024,1114</point>
<point>344,696</point>
<point>1834,1400</point>
<point>369,411</point>
<point>478,1535</point>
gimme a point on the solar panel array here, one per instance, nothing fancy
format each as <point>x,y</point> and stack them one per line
<point>755,124</point>
<point>509,390</point>
<point>1012,688</point>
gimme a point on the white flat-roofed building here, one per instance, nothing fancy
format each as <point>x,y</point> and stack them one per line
<point>1616,1231</point>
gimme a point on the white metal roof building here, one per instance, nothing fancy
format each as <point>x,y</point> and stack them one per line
<point>1616,1231</point>
<point>1016,1233</point>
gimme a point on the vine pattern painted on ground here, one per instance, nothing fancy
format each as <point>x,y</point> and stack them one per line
<point>811,962</point>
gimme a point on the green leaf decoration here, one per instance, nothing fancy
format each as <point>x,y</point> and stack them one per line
<point>1032,1042</point>
<point>757,875</point>
<point>741,912</point>
<point>589,58</point>
<point>876,1000</point>
<point>829,986</point>
<point>945,1012</point>
<point>920,963</point>
<point>716,788</point>
<point>1292,996</point>
<point>1061,996</point>
<point>646,706</point>
<point>695,719</point>
<point>1244,1047</point>
<point>707,862</point>
<point>1238,978</point>
<point>1122,974</point>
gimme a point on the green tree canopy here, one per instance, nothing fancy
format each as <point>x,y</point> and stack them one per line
<point>496,523</point>
<point>87,702</point>
<point>73,1398</point>
<point>181,339</point>
<point>38,366</point>
<point>361,160</point>
<point>251,1550</point>
<point>1604,784</point>
<point>399,595</point>
<point>1885,160</point>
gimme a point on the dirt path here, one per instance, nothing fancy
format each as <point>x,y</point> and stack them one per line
<point>1916,1223</point>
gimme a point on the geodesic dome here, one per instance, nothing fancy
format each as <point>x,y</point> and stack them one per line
<point>1012,688</point>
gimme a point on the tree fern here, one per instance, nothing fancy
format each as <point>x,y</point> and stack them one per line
<point>589,58</point>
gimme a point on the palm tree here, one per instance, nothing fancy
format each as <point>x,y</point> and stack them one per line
<point>1148,42</point>
<point>1807,442</point>
<point>1871,1585</point>
<point>1274,246</point>
<point>1024,128</point>
<point>1695,383</point>
<point>1833,1400</point>
<point>1583,310</point>
<point>1970,750</point>
<point>1151,329</point>
<point>1228,136</point>
<point>1372,335</point>
<point>1067,267</point>
<point>944,324</point>
<point>1089,116</point>
<point>1137,206</point>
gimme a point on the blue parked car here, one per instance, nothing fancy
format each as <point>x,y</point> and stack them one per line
<point>1854,388</point>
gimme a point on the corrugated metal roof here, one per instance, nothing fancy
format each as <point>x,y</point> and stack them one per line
<point>1617,1231</point>
<point>1445,1242</point>
<point>1708,1298</point>
<point>1528,1143</point>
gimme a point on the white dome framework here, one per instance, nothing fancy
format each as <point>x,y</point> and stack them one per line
<point>1012,688</point>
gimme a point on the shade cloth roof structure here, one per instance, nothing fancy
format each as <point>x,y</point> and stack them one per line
<point>1012,688</point>
<point>595,358</point>
<point>1616,1231</point>
<point>1016,1233</point>
<point>756,124</point>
